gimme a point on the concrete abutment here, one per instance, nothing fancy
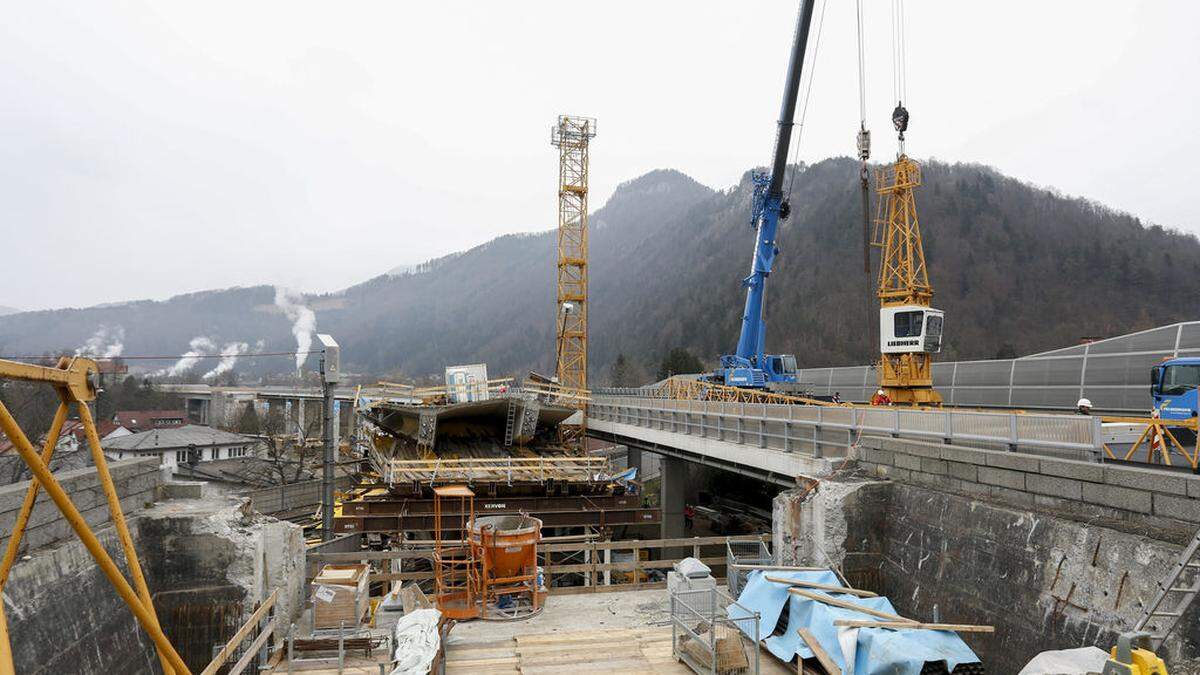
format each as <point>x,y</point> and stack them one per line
<point>1054,553</point>
<point>207,561</point>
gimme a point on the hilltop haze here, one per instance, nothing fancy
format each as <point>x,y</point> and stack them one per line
<point>1014,266</point>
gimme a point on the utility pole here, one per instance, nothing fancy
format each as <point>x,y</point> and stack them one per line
<point>330,354</point>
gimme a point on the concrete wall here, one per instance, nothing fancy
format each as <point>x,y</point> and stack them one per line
<point>1055,554</point>
<point>1107,492</point>
<point>290,497</point>
<point>64,616</point>
<point>207,562</point>
<point>210,561</point>
<point>136,481</point>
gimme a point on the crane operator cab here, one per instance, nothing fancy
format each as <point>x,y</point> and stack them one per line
<point>906,329</point>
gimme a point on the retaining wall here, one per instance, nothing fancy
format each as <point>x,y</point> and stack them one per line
<point>1111,492</point>
<point>283,499</point>
<point>1054,553</point>
<point>136,481</point>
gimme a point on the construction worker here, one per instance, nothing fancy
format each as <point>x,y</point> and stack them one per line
<point>689,516</point>
<point>881,398</point>
<point>1083,407</point>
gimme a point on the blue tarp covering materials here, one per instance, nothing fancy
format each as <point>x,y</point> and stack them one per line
<point>862,651</point>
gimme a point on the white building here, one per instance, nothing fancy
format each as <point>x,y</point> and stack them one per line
<point>181,445</point>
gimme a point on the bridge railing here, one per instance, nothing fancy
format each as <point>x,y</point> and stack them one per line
<point>828,431</point>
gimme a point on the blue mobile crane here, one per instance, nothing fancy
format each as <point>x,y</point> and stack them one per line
<point>749,366</point>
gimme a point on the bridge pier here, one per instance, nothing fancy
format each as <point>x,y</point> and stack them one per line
<point>672,499</point>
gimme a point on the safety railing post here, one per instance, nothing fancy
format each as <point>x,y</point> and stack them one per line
<point>818,451</point>
<point>948,436</point>
<point>1012,432</point>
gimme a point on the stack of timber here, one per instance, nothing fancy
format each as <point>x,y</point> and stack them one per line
<point>340,596</point>
<point>626,651</point>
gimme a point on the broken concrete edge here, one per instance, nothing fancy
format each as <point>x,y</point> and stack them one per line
<point>213,551</point>
<point>1140,497</point>
<point>1045,581</point>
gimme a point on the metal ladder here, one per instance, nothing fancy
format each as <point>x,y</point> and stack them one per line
<point>510,423</point>
<point>1160,622</point>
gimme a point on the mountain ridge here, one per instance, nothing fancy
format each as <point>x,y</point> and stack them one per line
<point>1013,265</point>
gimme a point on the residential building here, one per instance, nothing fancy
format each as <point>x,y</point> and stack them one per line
<point>188,444</point>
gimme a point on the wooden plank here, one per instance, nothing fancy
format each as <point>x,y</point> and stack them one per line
<point>822,587</point>
<point>661,543</point>
<point>956,627</point>
<point>513,661</point>
<point>240,636</point>
<point>844,604</point>
<point>818,651</point>
<point>356,556</point>
<point>778,568</point>
<point>620,566</point>
<point>575,636</point>
<point>252,650</point>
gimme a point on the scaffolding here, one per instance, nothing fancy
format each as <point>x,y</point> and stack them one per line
<point>457,569</point>
<point>571,136</point>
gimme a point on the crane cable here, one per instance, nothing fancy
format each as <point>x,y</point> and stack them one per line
<point>899,71</point>
<point>864,143</point>
<point>864,154</point>
<point>812,74</point>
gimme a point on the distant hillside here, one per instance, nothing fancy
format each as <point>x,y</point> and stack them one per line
<point>1013,265</point>
<point>8,310</point>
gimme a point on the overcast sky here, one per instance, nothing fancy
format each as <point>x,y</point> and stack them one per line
<point>156,148</point>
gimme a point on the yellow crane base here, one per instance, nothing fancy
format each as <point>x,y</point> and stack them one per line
<point>913,395</point>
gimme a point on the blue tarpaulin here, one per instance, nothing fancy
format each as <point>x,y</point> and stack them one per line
<point>862,651</point>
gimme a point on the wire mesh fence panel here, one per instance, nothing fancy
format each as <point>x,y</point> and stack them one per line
<point>707,639</point>
<point>743,553</point>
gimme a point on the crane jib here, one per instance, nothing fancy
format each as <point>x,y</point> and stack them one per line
<point>749,365</point>
<point>791,92</point>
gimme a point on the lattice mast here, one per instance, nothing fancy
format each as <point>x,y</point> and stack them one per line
<point>571,136</point>
<point>905,376</point>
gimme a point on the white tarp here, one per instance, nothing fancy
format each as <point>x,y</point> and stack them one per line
<point>417,642</point>
<point>1067,662</point>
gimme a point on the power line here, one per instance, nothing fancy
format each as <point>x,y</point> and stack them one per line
<point>163,358</point>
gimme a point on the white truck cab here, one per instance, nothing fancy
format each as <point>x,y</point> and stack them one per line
<point>906,329</point>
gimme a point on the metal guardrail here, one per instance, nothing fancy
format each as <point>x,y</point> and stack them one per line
<point>812,429</point>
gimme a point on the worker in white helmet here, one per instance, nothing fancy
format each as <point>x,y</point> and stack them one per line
<point>1083,407</point>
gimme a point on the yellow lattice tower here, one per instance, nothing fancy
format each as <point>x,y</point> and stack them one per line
<point>571,136</point>
<point>903,278</point>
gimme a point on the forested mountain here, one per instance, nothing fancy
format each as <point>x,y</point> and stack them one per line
<point>1014,266</point>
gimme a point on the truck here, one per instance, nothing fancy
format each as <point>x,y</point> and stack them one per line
<point>1173,385</point>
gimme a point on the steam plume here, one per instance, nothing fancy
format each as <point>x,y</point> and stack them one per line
<point>229,356</point>
<point>200,346</point>
<point>304,321</point>
<point>105,343</point>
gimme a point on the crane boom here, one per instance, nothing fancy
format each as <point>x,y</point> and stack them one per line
<point>749,366</point>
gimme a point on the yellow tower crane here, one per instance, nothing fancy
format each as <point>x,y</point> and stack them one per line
<point>571,136</point>
<point>910,330</point>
